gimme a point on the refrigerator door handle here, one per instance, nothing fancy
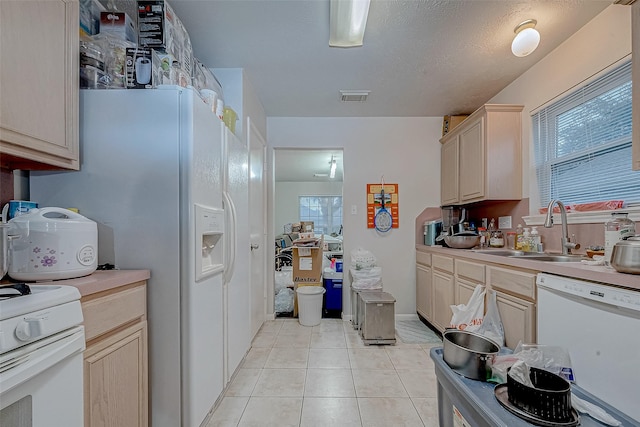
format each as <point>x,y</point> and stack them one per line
<point>231,247</point>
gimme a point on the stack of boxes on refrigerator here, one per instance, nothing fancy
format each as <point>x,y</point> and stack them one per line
<point>144,51</point>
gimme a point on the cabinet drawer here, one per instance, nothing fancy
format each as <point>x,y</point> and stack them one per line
<point>514,282</point>
<point>442,263</point>
<point>112,310</point>
<point>470,270</point>
<point>423,258</point>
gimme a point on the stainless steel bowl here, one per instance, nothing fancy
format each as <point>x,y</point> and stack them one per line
<point>469,354</point>
<point>462,241</point>
<point>625,256</point>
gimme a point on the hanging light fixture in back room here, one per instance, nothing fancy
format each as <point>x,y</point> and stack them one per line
<point>347,22</point>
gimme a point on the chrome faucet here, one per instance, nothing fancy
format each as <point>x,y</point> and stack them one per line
<point>567,245</point>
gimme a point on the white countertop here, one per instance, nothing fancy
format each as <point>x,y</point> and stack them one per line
<point>577,270</point>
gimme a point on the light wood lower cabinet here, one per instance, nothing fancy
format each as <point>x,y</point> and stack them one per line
<point>442,281</point>
<point>443,298</point>
<point>518,319</point>
<point>424,288</point>
<point>116,358</point>
<point>516,297</point>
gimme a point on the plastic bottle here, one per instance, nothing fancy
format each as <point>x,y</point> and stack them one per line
<point>519,232</point>
<point>618,227</point>
<point>536,241</point>
<point>526,240</point>
<point>483,237</point>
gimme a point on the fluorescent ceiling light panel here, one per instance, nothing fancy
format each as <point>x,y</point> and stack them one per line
<point>348,20</point>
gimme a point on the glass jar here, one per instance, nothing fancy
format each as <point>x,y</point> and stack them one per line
<point>497,239</point>
<point>511,239</point>
<point>617,228</point>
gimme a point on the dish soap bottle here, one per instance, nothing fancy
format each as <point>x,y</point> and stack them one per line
<point>519,237</point>
<point>525,244</point>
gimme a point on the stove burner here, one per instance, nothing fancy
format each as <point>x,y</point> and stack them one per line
<point>16,290</point>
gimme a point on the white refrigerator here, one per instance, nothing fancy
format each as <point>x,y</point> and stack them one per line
<point>163,178</point>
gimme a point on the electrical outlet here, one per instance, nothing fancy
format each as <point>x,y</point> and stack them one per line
<point>354,209</point>
<point>504,222</point>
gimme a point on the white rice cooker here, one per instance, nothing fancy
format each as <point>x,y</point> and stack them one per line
<point>52,243</point>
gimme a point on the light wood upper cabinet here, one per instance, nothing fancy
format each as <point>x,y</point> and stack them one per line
<point>635,55</point>
<point>449,174</point>
<point>39,41</point>
<point>487,164</point>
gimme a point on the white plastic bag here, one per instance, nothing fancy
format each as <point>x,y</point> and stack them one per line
<point>492,324</point>
<point>468,317</point>
<point>284,301</point>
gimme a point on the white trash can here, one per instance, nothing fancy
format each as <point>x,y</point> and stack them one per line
<point>310,304</point>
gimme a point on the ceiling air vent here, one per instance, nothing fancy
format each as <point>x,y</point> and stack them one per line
<point>354,95</point>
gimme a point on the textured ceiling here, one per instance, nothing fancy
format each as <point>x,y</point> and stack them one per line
<point>420,57</point>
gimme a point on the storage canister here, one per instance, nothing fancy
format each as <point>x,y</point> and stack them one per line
<point>615,230</point>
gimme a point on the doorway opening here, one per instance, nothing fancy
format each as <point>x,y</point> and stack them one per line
<point>307,190</point>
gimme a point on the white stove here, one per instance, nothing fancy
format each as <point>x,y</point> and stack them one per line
<point>47,310</point>
<point>41,345</point>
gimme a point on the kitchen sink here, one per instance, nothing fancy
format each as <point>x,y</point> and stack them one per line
<point>552,257</point>
<point>501,252</point>
<point>534,256</point>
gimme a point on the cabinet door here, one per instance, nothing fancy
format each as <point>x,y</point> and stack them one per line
<point>472,161</point>
<point>423,291</point>
<point>115,377</point>
<point>443,298</point>
<point>39,90</point>
<point>449,172</point>
<point>464,290</point>
<point>518,319</point>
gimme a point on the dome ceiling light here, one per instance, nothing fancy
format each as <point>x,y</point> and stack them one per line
<point>527,38</point>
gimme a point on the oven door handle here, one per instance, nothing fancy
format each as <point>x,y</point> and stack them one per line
<point>29,361</point>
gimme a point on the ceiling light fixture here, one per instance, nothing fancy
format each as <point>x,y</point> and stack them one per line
<point>527,38</point>
<point>332,171</point>
<point>347,22</point>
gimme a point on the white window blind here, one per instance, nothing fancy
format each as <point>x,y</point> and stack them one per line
<point>582,143</point>
<point>324,211</point>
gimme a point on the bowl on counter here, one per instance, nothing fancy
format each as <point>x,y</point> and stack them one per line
<point>462,240</point>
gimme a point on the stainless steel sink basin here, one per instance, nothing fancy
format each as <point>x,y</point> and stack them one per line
<point>500,252</point>
<point>536,256</point>
<point>552,257</point>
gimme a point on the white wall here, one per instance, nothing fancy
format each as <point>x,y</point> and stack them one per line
<point>602,42</point>
<point>407,152</point>
<point>286,196</point>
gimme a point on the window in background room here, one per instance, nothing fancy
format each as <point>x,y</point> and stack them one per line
<point>582,143</point>
<point>324,211</point>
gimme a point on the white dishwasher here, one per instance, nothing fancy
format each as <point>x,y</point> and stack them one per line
<point>600,326</point>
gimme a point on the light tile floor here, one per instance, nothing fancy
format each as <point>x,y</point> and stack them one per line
<point>325,376</point>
